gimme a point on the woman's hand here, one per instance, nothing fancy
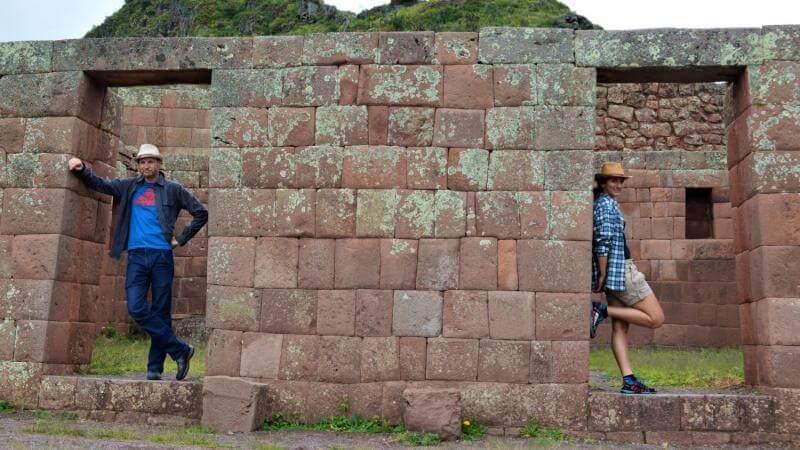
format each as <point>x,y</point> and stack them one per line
<point>174,243</point>
<point>75,165</point>
<point>601,282</point>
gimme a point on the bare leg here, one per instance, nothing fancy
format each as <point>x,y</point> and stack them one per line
<point>646,313</point>
<point>619,339</point>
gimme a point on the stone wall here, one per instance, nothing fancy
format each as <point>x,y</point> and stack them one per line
<point>673,135</point>
<point>458,257</point>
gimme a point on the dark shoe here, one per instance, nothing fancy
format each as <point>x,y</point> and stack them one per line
<point>153,376</point>
<point>637,387</point>
<point>183,364</point>
<point>595,318</point>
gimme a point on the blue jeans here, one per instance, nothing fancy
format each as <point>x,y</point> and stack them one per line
<point>146,267</point>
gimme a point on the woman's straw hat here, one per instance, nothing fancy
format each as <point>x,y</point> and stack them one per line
<point>611,170</point>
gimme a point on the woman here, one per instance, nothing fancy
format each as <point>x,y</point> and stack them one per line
<point>630,299</point>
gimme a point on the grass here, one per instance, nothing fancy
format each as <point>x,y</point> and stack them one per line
<point>666,367</point>
<point>6,407</point>
<point>417,439</point>
<point>116,354</point>
<point>339,424</point>
<point>472,430</point>
<point>542,436</point>
<point>46,426</point>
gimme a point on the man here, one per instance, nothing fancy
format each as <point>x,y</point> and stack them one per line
<point>148,207</point>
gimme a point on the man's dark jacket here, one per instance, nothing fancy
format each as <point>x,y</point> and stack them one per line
<point>171,197</point>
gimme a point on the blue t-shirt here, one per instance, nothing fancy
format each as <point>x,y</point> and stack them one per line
<point>145,230</point>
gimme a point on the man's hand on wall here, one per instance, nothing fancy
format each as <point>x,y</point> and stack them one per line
<point>174,243</point>
<point>75,164</point>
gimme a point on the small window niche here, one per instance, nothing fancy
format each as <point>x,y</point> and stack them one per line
<point>699,214</point>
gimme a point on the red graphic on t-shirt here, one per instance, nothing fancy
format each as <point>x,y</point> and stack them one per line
<point>148,198</point>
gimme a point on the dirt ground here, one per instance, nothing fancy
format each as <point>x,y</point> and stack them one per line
<point>13,435</point>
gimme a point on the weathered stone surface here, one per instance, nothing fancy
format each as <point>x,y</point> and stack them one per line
<point>376,210</point>
<point>497,214</point>
<point>452,359</point>
<point>374,312</point>
<point>399,47</point>
<point>451,214</point>
<point>233,404</point>
<point>511,127</point>
<point>316,263</point>
<point>336,312</point>
<point>433,411</point>
<point>25,57</point>
<point>417,313</point>
<point>468,87</point>
<point>380,359</point>
<point>339,359</point>
<point>564,84</point>
<point>437,266</point>
<point>511,315</point>
<point>399,263</point>
<point>336,213</point>
<point>342,125</point>
<point>289,311</point>
<point>277,51</point>
<point>611,411</point>
<point>467,169</point>
<point>224,353</point>
<point>152,53</point>
<point>561,317</point>
<point>299,357</point>
<point>357,263</point>
<point>511,170</point>
<point>410,126</point>
<point>504,361</point>
<point>51,94</point>
<point>249,212</point>
<point>456,48</point>
<point>400,85</point>
<point>260,355</point>
<point>276,263</point>
<point>240,127</point>
<point>375,167</point>
<point>478,264</point>
<point>465,315</point>
<point>340,48</point>
<point>499,45</point>
<point>459,128</point>
<point>233,260</point>
<point>668,47</point>
<point>233,308</point>
<point>415,214</point>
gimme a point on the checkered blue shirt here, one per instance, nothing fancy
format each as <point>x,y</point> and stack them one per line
<point>608,239</point>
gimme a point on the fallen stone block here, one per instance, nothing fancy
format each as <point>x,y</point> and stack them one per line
<point>231,404</point>
<point>433,411</point>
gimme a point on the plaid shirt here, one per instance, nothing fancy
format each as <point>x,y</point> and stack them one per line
<point>608,239</point>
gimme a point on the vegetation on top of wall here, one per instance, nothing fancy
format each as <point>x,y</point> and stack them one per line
<point>294,17</point>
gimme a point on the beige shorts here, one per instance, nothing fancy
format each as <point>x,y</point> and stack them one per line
<point>636,287</point>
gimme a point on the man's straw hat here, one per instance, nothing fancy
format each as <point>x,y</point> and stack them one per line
<point>148,151</point>
<point>611,170</point>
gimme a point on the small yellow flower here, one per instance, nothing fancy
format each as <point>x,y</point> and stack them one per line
<point>466,423</point>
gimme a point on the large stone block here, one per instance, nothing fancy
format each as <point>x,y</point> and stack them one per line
<point>564,128</point>
<point>57,393</point>
<point>224,353</point>
<point>248,212</point>
<point>668,47</point>
<point>232,261</point>
<point>277,51</point>
<point>233,404</point>
<point>48,211</point>
<point>374,312</point>
<point>427,168</point>
<point>340,48</point>
<point>398,47</point>
<point>507,277</point>
<point>459,128</point>
<point>773,272</point>
<point>240,127</point>
<point>380,359</point>
<point>497,214</point>
<point>291,126</point>
<point>12,135</point>
<point>410,126</point>
<point>399,263</point>
<point>260,355</point>
<point>39,299</point>
<point>465,315</point>
<point>568,170</point>
<point>468,87</point>
<point>478,264</point>
<point>499,45</point>
<point>771,321</point>
<point>316,263</point>
<point>357,263</point>
<point>46,257</point>
<point>233,308</point>
<point>417,313</point>
<point>376,210</point>
<point>339,359</point>
<point>456,48</point>
<point>511,127</point>
<point>413,358</point>
<point>377,167</point>
<point>289,311</point>
<point>415,214</point>
<point>435,411</point>
<point>451,214</point>
<point>437,266</point>
<point>310,86</point>
<point>294,212</point>
<point>611,411</point>
<point>564,84</point>
<point>511,315</point>
<point>342,125</point>
<point>771,219</point>
<point>561,317</point>
<point>276,263</point>
<point>299,357</point>
<point>452,359</point>
<point>51,94</point>
<point>247,88</point>
<point>25,57</point>
<point>19,382</point>
<point>400,85</point>
<point>513,170</point>
<point>504,361</point>
<point>336,213</point>
<point>467,169</point>
<point>336,312</point>
<point>570,216</point>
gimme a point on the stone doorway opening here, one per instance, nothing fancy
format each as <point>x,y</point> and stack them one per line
<point>672,138</point>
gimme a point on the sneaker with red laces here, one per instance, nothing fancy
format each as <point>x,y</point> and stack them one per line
<point>636,387</point>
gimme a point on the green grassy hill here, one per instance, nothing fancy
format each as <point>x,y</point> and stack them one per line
<point>270,17</point>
